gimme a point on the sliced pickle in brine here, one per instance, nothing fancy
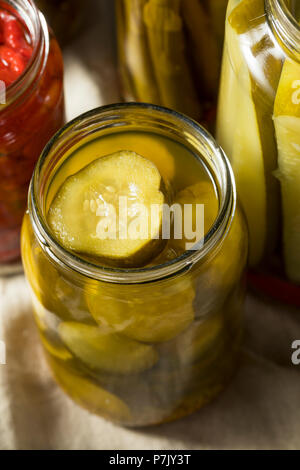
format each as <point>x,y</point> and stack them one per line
<point>202,194</point>
<point>102,350</point>
<point>143,312</point>
<point>104,210</point>
<point>192,345</point>
<point>287,125</point>
<point>54,346</point>
<point>89,394</point>
<point>53,293</point>
<point>219,273</point>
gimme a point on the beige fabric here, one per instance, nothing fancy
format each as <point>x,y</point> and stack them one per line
<point>260,409</point>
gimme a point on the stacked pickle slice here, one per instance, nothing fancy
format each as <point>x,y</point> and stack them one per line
<point>256,100</point>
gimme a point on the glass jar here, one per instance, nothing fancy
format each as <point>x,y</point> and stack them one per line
<point>176,327</point>
<point>259,129</point>
<point>32,113</point>
<point>64,16</point>
<point>170,53</point>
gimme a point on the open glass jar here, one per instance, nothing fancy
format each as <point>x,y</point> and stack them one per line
<point>148,345</point>
<point>259,129</point>
<point>170,53</point>
<point>33,111</point>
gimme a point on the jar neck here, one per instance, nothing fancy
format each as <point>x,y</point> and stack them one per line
<point>39,34</point>
<point>120,118</point>
<point>284,26</point>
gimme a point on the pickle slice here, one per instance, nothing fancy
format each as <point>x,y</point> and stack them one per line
<point>203,194</point>
<point>89,394</point>
<point>219,273</point>
<point>105,351</point>
<point>52,293</point>
<point>287,125</point>
<point>54,347</point>
<point>86,215</point>
<point>143,312</point>
<point>194,343</point>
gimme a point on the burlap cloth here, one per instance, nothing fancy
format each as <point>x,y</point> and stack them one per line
<point>259,409</point>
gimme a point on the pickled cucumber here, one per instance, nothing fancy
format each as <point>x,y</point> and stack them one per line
<point>167,43</point>
<point>137,54</point>
<point>54,346</point>
<point>217,10</point>
<point>287,125</point>
<point>238,134</point>
<point>194,343</point>
<point>219,273</point>
<point>53,294</point>
<point>203,194</point>
<point>142,312</point>
<point>102,350</point>
<point>249,100</point>
<point>86,214</point>
<point>205,46</point>
<point>89,394</point>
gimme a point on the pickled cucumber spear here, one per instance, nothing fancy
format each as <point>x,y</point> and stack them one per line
<point>205,47</point>
<point>287,125</point>
<point>217,13</point>
<point>238,134</point>
<point>137,52</point>
<point>168,52</point>
<point>253,150</point>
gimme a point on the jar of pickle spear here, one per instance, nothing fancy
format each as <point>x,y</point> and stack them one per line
<point>259,129</point>
<point>139,325</point>
<point>170,53</point>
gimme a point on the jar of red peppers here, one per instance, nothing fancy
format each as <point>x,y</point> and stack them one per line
<point>31,111</point>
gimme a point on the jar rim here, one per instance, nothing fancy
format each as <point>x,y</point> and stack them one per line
<point>38,29</point>
<point>212,239</point>
<point>284,25</point>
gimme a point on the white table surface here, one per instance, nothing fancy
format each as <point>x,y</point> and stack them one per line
<point>259,409</point>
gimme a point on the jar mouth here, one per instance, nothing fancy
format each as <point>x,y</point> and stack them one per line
<point>284,25</point>
<point>38,30</point>
<point>194,134</point>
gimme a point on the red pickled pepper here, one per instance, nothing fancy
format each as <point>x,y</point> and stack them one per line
<point>15,50</point>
